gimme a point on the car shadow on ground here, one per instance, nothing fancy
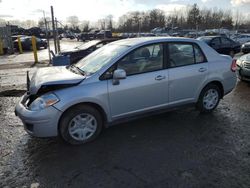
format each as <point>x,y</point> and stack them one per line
<point>12,93</point>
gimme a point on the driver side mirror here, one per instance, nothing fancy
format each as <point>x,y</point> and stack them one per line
<point>118,75</point>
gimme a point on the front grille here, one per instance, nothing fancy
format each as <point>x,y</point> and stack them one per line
<point>247,65</point>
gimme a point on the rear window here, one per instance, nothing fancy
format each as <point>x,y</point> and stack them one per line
<point>181,54</point>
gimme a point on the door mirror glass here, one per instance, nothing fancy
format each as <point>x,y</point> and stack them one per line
<point>118,75</point>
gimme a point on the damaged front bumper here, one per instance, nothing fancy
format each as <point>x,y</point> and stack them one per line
<point>42,123</point>
<point>243,73</point>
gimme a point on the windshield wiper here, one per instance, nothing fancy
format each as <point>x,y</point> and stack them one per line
<point>78,69</point>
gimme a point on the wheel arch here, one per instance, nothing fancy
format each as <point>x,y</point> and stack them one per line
<point>92,104</point>
<point>217,83</point>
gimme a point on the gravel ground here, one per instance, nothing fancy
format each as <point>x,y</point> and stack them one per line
<point>176,149</point>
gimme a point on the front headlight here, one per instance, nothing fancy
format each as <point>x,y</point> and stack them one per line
<point>43,101</point>
<point>239,63</point>
<point>243,45</point>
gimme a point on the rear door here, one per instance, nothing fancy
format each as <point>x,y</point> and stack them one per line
<point>188,69</point>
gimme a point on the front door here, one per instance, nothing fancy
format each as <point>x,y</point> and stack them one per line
<point>146,84</point>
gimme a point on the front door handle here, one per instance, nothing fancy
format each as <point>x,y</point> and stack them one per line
<point>160,77</point>
<point>202,69</point>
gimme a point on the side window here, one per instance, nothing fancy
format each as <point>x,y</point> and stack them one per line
<point>199,56</point>
<point>181,54</point>
<point>215,42</point>
<point>225,41</point>
<point>109,73</point>
<point>144,59</point>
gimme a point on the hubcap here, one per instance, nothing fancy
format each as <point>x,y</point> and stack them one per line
<point>82,126</point>
<point>210,99</point>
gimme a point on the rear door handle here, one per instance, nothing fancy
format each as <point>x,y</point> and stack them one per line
<point>160,77</point>
<point>202,69</point>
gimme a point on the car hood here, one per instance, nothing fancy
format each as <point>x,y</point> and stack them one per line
<point>52,78</point>
<point>73,50</point>
<point>247,44</point>
<point>245,57</point>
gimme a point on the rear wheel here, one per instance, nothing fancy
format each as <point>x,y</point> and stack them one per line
<point>209,98</point>
<point>80,124</point>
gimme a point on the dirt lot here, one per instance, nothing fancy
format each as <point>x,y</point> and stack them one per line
<point>175,149</point>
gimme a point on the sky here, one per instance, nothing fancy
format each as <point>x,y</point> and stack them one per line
<point>93,10</point>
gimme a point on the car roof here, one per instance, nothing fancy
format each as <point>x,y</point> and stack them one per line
<point>145,40</point>
<point>213,36</point>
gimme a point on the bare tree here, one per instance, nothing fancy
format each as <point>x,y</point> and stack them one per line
<point>102,23</point>
<point>238,19</point>
<point>73,21</point>
<point>109,20</point>
<point>194,18</point>
<point>85,26</point>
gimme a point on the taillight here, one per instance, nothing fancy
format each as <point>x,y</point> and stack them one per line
<point>233,65</point>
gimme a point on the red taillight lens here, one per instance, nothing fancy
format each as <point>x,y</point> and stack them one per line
<point>233,65</point>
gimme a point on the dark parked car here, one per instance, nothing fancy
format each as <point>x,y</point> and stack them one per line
<point>79,52</point>
<point>83,37</point>
<point>104,34</point>
<point>14,37</point>
<point>222,45</point>
<point>92,34</point>
<point>27,44</point>
<point>245,48</point>
<point>243,67</point>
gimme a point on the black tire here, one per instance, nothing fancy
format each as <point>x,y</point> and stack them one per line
<point>200,105</point>
<point>73,112</point>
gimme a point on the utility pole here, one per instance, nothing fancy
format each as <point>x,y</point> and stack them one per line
<point>47,36</point>
<point>53,27</point>
<point>57,39</point>
<point>139,27</point>
<point>104,20</point>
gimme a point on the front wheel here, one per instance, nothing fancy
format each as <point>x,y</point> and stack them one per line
<point>80,124</point>
<point>209,98</point>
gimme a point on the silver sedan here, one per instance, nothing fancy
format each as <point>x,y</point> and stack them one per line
<point>123,80</point>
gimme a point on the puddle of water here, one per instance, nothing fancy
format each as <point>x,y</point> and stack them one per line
<point>12,93</point>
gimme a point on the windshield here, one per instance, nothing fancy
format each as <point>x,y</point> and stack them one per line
<point>88,44</point>
<point>96,60</point>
